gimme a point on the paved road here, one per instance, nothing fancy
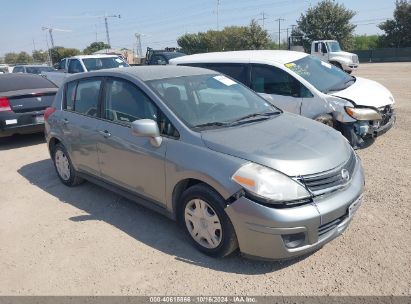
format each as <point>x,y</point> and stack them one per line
<point>60,241</point>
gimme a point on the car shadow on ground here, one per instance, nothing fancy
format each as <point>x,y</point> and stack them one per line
<point>142,224</point>
<point>21,141</point>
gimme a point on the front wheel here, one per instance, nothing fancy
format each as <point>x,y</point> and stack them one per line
<point>326,119</point>
<point>204,220</point>
<point>337,64</point>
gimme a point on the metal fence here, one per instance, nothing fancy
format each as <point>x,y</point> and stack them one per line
<point>384,55</point>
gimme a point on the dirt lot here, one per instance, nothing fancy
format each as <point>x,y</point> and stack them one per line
<point>60,241</point>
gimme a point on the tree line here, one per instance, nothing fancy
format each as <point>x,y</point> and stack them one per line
<point>56,53</point>
<point>326,20</point>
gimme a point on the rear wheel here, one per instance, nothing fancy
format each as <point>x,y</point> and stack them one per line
<point>203,218</point>
<point>64,167</point>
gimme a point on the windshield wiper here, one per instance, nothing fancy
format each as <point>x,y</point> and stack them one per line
<point>212,124</point>
<point>263,115</point>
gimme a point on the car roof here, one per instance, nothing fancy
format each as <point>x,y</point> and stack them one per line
<point>280,57</point>
<point>146,73</point>
<point>92,56</point>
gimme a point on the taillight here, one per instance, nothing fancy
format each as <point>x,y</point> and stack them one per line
<point>4,104</point>
<point>48,112</point>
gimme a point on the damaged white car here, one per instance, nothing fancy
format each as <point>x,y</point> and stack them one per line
<point>303,84</point>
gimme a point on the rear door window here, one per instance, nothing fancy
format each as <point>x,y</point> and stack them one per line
<point>18,70</point>
<point>272,80</point>
<point>86,97</point>
<point>236,71</point>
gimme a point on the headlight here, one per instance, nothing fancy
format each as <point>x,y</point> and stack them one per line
<point>363,113</point>
<point>269,184</point>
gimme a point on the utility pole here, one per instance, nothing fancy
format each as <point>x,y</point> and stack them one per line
<point>50,30</point>
<point>34,46</point>
<point>106,23</point>
<point>218,20</point>
<point>139,50</point>
<point>263,18</point>
<point>279,31</point>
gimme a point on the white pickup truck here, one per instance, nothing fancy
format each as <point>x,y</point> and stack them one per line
<point>330,51</point>
<point>83,63</point>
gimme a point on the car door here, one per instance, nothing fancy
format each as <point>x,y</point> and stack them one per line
<point>277,87</point>
<point>129,161</point>
<point>80,123</point>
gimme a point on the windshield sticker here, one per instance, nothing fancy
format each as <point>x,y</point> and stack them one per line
<point>119,60</point>
<point>224,80</point>
<point>327,65</point>
<point>290,65</point>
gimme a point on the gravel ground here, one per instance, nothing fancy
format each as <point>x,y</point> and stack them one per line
<point>60,241</point>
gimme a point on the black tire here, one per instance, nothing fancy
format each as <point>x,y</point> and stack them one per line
<point>228,243</point>
<point>337,64</point>
<point>326,119</point>
<point>73,179</point>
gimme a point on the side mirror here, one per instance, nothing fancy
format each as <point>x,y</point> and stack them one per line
<point>147,128</point>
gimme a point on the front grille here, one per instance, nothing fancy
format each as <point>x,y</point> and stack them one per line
<point>330,180</point>
<point>323,229</point>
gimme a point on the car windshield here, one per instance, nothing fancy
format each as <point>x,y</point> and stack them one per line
<point>333,46</point>
<point>211,101</point>
<point>323,76</point>
<point>93,64</point>
<point>39,70</point>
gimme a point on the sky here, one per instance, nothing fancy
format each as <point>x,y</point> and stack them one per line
<point>159,22</point>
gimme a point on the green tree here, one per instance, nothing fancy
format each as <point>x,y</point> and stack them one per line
<point>40,56</point>
<point>94,47</point>
<point>10,58</point>
<point>256,38</point>
<point>59,52</point>
<point>229,39</point>
<point>24,58</point>
<point>398,30</point>
<point>327,20</point>
<point>365,42</point>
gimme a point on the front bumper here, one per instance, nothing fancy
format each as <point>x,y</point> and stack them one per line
<point>350,67</point>
<point>380,130</point>
<point>261,230</point>
<point>21,123</point>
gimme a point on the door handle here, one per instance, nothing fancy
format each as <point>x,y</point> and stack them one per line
<point>105,133</point>
<point>65,121</point>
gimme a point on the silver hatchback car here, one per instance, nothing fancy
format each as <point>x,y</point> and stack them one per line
<point>197,146</point>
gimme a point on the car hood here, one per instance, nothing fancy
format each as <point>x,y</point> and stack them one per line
<point>365,92</point>
<point>288,143</point>
<point>342,54</point>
